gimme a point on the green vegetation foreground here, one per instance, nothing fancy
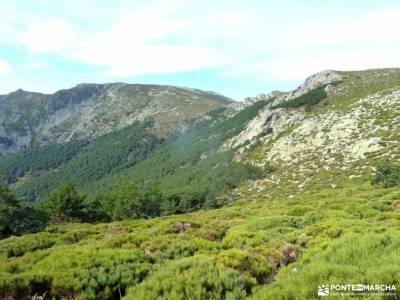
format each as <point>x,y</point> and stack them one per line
<point>267,249</point>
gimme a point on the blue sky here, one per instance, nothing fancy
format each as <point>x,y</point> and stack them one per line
<point>237,48</point>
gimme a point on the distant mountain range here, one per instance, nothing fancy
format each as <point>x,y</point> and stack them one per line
<point>91,110</point>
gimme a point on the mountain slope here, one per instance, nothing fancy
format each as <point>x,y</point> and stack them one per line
<point>91,130</point>
<point>91,110</point>
<point>357,119</point>
<point>317,219</point>
<point>133,152</point>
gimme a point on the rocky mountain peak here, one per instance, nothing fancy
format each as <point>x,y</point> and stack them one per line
<point>313,81</point>
<point>17,93</point>
<point>325,77</point>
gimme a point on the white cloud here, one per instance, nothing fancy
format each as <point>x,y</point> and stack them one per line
<point>161,59</point>
<point>36,65</point>
<point>7,32</point>
<point>138,44</point>
<point>255,41</point>
<point>292,67</point>
<point>48,36</point>
<point>370,41</point>
<point>376,26</point>
<point>5,68</point>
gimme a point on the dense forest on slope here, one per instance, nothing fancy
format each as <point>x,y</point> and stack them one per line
<point>106,155</point>
<point>38,158</point>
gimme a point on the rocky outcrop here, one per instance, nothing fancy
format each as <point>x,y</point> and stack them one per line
<point>268,124</point>
<point>326,77</point>
<point>336,137</point>
<point>318,79</point>
<point>273,121</point>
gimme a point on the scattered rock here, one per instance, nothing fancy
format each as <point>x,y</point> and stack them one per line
<point>181,227</point>
<point>288,254</point>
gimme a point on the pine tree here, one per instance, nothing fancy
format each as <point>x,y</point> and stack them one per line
<point>66,204</point>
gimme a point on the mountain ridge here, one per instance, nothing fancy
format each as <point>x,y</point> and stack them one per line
<point>90,110</point>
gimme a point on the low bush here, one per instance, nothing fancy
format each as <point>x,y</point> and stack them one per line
<point>194,278</point>
<point>19,246</point>
<point>387,173</point>
<point>84,274</point>
<point>354,258</point>
<point>254,265</point>
<point>109,274</point>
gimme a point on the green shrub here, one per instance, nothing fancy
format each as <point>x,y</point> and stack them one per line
<point>169,249</point>
<point>24,286</point>
<point>19,246</point>
<point>110,274</point>
<point>195,278</point>
<point>387,173</point>
<point>353,258</point>
<point>255,265</point>
<point>81,273</point>
<point>243,239</point>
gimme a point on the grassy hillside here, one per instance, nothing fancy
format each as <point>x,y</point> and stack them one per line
<point>278,248</point>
